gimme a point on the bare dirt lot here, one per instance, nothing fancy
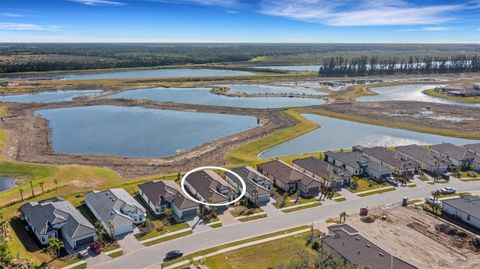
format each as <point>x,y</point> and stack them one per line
<point>420,238</point>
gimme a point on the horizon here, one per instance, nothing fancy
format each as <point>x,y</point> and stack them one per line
<point>241,21</point>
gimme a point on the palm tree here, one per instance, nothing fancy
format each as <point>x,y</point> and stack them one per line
<point>255,196</point>
<point>100,231</point>
<point>54,245</point>
<point>112,230</point>
<point>55,181</point>
<point>21,194</point>
<point>343,216</point>
<point>31,186</point>
<point>41,186</point>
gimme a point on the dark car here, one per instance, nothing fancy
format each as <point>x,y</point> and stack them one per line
<point>445,176</point>
<point>173,255</point>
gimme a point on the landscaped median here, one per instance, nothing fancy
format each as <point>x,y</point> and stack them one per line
<point>185,260</point>
<point>375,191</point>
<point>252,217</point>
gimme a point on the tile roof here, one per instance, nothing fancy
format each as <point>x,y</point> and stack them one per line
<point>167,189</point>
<point>55,211</point>
<point>346,241</point>
<point>285,173</point>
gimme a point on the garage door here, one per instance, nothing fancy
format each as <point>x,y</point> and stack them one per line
<point>85,241</point>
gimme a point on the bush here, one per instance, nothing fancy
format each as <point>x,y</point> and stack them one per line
<point>315,244</point>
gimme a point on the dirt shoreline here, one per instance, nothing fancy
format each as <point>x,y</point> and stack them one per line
<point>29,139</point>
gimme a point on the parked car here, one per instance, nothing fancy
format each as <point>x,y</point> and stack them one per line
<point>393,181</point>
<point>448,190</point>
<point>173,255</point>
<point>96,248</point>
<point>432,201</point>
<point>445,176</point>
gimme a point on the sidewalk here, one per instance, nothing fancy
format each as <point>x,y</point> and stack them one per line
<point>164,235</point>
<point>187,262</point>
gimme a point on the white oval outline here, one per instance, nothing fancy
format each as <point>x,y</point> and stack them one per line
<point>182,184</point>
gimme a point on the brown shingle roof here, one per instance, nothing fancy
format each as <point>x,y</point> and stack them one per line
<point>167,190</point>
<point>285,173</point>
<point>319,167</point>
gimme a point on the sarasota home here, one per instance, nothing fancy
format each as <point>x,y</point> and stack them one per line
<point>475,148</point>
<point>390,159</point>
<point>257,186</point>
<point>116,210</point>
<point>162,194</point>
<point>58,218</point>
<point>290,179</point>
<point>207,186</point>
<point>458,156</point>
<point>344,242</point>
<point>427,160</point>
<point>466,209</point>
<point>331,175</point>
<point>353,162</point>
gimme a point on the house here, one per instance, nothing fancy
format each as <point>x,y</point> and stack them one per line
<point>345,242</point>
<point>390,159</point>
<point>377,171</point>
<point>458,156</point>
<point>462,90</point>
<point>426,160</point>
<point>353,162</point>
<point>116,210</point>
<point>331,175</point>
<point>159,195</point>
<point>207,186</point>
<point>466,209</point>
<point>257,186</point>
<point>290,179</point>
<point>58,218</point>
<point>475,148</point>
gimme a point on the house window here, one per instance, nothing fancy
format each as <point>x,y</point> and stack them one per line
<point>468,217</point>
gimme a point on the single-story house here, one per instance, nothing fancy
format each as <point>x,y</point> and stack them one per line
<point>257,186</point>
<point>331,175</point>
<point>346,243</point>
<point>288,178</point>
<point>392,160</point>
<point>475,148</point>
<point>116,210</point>
<point>159,195</point>
<point>458,156</point>
<point>58,218</point>
<point>466,208</point>
<point>353,162</point>
<point>426,160</point>
<point>207,186</point>
<point>377,171</point>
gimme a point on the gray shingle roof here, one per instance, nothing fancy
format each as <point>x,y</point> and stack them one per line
<point>468,204</point>
<point>474,147</point>
<point>358,250</point>
<point>453,151</point>
<point>418,153</point>
<point>386,156</point>
<point>111,204</point>
<point>210,186</point>
<point>56,211</point>
<point>319,167</point>
<point>349,158</point>
<point>167,189</point>
<point>246,174</point>
<point>285,173</point>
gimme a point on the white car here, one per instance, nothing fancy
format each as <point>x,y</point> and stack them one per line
<point>432,201</point>
<point>448,190</point>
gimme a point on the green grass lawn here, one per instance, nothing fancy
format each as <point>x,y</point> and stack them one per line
<point>116,254</point>
<point>367,185</point>
<point>216,225</point>
<point>263,255</point>
<point>302,207</point>
<point>167,238</point>
<point>236,243</point>
<point>253,217</point>
<point>250,211</point>
<point>376,192</point>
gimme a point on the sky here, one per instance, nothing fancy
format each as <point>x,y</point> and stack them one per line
<point>260,21</point>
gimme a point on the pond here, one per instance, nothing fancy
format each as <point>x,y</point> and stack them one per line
<point>136,131</point>
<point>270,89</point>
<point>47,97</point>
<point>7,183</point>
<point>202,96</point>
<point>148,73</point>
<point>292,67</point>
<point>336,134</point>
<point>413,92</point>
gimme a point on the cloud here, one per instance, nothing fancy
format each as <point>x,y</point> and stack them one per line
<point>99,2</point>
<point>360,12</point>
<point>219,3</point>
<point>435,28</point>
<point>12,26</point>
<point>10,14</point>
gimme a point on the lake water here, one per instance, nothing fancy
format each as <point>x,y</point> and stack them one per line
<point>269,89</point>
<point>7,183</point>
<point>291,67</point>
<point>202,96</point>
<point>336,134</point>
<point>136,131</point>
<point>47,97</point>
<point>153,73</point>
<point>409,93</point>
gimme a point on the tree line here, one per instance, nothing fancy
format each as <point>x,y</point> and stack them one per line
<point>374,65</point>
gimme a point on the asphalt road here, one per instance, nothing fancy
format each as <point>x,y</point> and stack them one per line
<point>152,256</point>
